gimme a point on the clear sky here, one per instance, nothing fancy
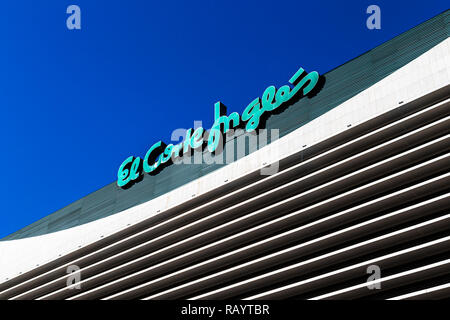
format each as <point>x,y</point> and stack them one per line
<point>75,103</point>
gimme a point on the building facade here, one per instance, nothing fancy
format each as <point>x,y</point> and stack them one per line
<point>351,201</point>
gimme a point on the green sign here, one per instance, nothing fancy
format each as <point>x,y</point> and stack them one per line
<point>160,154</point>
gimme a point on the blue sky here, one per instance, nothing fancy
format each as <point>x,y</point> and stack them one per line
<point>75,103</point>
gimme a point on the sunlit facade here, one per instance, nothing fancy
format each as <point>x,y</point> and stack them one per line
<point>357,204</point>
